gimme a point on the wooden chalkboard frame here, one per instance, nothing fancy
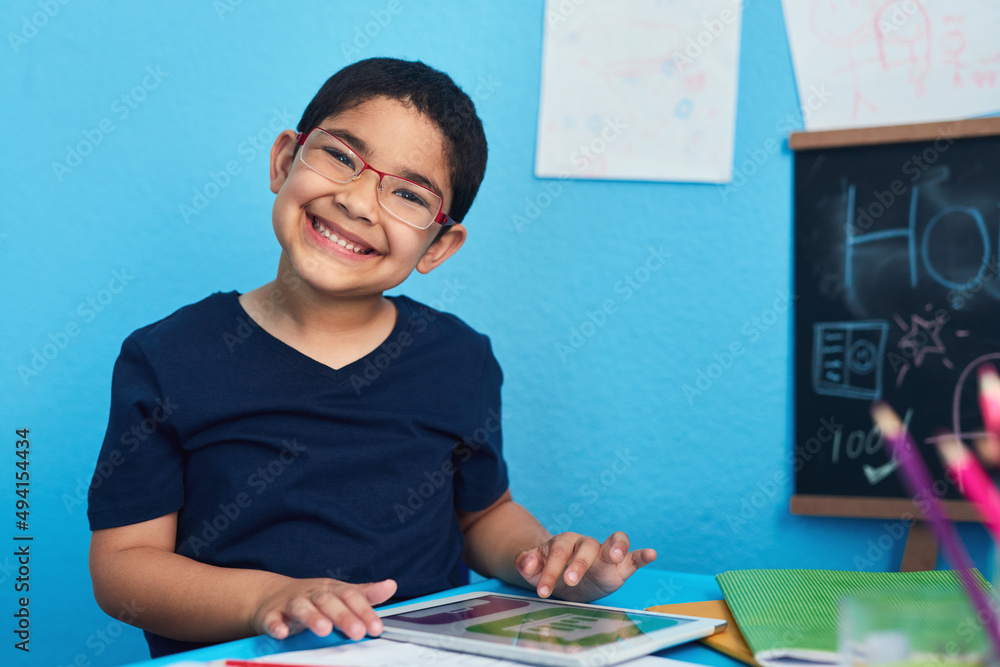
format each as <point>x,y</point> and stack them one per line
<point>921,548</point>
<point>894,134</point>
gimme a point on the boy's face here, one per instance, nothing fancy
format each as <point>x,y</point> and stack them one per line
<point>391,138</point>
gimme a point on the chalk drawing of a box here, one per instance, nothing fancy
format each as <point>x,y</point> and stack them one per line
<point>848,358</point>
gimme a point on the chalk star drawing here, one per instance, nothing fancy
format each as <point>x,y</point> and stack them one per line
<point>922,337</point>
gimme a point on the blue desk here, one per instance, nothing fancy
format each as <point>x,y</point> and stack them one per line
<point>645,588</point>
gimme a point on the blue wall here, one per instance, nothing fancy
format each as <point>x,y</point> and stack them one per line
<point>600,438</point>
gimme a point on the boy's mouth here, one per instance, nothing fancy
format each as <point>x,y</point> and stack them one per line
<point>341,239</point>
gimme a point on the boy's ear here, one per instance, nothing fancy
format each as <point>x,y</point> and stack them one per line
<point>440,250</point>
<point>282,155</point>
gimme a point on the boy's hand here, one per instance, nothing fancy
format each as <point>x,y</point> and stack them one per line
<point>322,605</point>
<point>589,570</point>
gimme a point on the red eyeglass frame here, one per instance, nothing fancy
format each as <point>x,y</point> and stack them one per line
<point>441,218</point>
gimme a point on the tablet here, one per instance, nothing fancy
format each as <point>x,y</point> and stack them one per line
<point>541,632</point>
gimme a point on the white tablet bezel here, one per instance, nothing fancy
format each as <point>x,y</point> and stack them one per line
<point>609,654</point>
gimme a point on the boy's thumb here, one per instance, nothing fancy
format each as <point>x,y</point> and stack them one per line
<point>380,591</point>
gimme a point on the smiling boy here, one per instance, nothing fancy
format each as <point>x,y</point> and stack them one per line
<point>277,496</point>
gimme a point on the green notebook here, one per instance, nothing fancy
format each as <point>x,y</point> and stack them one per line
<point>791,617</point>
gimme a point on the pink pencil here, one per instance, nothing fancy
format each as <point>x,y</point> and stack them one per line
<point>989,406</point>
<point>973,482</point>
<point>918,481</point>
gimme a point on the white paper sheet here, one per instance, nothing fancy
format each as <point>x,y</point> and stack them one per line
<point>885,62</point>
<point>386,653</point>
<point>639,90</point>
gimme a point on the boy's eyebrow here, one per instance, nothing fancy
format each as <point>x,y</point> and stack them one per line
<point>420,179</point>
<point>361,147</point>
<point>357,143</point>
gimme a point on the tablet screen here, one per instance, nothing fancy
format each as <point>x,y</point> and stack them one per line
<point>531,623</point>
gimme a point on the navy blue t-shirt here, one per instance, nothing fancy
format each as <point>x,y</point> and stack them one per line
<point>278,462</point>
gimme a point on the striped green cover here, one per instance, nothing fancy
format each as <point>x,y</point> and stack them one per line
<point>794,613</point>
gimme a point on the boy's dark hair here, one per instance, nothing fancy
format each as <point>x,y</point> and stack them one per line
<point>430,92</point>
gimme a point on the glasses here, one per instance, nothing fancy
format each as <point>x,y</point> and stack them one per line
<point>406,201</point>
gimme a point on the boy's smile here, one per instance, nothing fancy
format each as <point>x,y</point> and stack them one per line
<point>337,237</point>
<point>338,240</point>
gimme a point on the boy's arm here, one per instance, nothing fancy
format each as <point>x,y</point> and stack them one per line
<point>139,579</point>
<point>506,541</point>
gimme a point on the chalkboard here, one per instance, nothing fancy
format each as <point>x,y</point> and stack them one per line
<point>897,298</point>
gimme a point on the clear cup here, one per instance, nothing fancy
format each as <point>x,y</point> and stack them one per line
<point>911,629</point>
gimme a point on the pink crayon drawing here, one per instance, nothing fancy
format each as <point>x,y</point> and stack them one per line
<point>903,35</point>
<point>825,18</point>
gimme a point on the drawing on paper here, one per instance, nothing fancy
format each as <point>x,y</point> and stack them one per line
<point>884,62</point>
<point>639,91</point>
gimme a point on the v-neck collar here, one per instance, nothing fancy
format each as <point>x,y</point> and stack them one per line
<point>303,361</point>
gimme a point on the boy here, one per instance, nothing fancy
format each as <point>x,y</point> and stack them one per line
<point>312,448</point>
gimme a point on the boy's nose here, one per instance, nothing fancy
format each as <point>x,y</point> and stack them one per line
<point>360,200</point>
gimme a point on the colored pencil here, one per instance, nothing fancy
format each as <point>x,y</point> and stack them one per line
<point>973,482</point>
<point>988,446</point>
<point>917,479</point>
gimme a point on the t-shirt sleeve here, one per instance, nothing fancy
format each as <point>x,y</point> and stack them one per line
<point>480,471</point>
<point>140,471</point>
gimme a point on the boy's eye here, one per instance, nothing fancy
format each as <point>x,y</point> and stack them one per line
<point>340,157</point>
<point>410,197</point>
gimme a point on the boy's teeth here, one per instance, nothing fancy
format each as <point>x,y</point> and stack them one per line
<point>336,239</point>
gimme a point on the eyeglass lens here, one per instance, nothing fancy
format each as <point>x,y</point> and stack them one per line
<point>330,157</point>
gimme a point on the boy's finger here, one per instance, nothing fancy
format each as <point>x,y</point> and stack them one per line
<point>357,602</point>
<point>615,547</point>
<point>559,552</point>
<point>637,559</point>
<point>274,625</point>
<point>528,563</point>
<point>303,611</point>
<point>379,591</point>
<point>343,617</point>
<point>586,552</point>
